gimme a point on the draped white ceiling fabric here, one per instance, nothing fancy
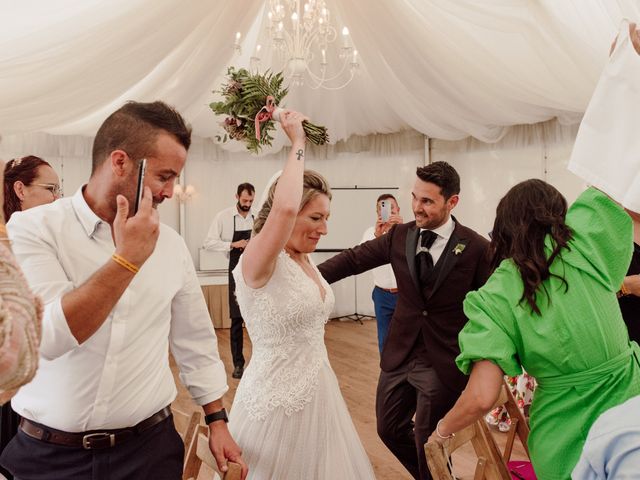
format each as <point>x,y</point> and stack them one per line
<point>446,68</point>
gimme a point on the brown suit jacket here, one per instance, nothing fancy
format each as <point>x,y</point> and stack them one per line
<point>434,310</point>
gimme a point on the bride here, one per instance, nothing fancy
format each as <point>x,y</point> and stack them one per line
<point>289,416</point>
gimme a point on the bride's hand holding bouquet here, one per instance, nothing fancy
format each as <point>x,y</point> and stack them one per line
<point>251,103</point>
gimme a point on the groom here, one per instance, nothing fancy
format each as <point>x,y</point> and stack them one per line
<point>436,261</point>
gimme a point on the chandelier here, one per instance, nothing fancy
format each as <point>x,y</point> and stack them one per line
<point>304,39</point>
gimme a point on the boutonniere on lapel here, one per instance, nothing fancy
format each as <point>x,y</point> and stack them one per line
<point>459,248</point>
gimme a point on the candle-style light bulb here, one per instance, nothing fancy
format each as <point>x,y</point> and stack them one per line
<point>345,37</point>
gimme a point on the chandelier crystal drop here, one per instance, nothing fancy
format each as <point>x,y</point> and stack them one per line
<point>302,37</point>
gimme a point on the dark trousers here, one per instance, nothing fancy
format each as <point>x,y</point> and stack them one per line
<point>413,388</point>
<point>155,454</point>
<point>236,341</point>
<point>9,421</point>
<point>384,304</point>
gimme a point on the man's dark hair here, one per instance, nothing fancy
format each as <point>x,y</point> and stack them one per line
<point>246,186</point>
<point>386,196</point>
<point>134,128</point>
<point>443,175</point>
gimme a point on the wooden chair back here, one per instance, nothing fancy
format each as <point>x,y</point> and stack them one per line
<point>520,428</point>
<point>519,425</point>
<point>489,466</point>
<point>200,453</point>
<point>186,424</point>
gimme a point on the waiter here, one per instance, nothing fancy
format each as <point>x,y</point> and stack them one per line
<point>230,233</point>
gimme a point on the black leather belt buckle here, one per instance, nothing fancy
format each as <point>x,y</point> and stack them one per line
<point>98,440</point>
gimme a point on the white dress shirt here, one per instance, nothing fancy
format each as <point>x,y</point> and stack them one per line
<point>120,375</point>
<point>383,275</point>
<point>444,233</point>
<point>221,229</point>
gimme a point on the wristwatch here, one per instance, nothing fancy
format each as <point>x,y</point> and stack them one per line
<point>215,416</point>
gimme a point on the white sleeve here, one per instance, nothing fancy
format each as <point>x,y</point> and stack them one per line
<point>369,234</point>
<point>193,340</point>
<point>214,239</point>
<point>39,262</point>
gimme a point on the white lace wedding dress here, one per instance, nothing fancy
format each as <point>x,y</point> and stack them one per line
<point>288,415</point>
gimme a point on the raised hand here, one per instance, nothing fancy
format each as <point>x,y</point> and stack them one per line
<point>135,237</point>
<point>291,122</point>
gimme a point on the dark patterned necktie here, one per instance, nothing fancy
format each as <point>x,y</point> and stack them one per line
<point>424,258</point>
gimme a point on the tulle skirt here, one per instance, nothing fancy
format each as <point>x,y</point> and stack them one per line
<point>318,442</point>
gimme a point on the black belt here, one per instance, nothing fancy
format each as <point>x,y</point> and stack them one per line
<point>94,439</point>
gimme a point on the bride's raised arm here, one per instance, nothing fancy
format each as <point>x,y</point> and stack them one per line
<point>259,258</point>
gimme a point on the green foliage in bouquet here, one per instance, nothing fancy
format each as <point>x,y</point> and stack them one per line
<point>245,96</point>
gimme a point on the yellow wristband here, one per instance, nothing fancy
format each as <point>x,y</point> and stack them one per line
<point>3,230</point>
<point>123,262</point>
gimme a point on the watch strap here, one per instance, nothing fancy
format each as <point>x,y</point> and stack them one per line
<point>215,416</point>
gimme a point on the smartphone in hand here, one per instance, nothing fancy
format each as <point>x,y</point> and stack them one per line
<point>140,189</point>
<point>385,210</point>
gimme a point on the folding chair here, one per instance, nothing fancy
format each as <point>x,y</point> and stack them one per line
<point>200,453</point>
<point>519,469</point>
<point>489,466</point>
<point>185,425</point>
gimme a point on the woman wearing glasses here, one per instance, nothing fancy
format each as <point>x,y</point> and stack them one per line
<point>28,182</point>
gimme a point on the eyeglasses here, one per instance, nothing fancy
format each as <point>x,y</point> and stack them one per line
<point>54,188</point>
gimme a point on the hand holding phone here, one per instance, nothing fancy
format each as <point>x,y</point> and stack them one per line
<point>385,210</point>
<point>140,189</point>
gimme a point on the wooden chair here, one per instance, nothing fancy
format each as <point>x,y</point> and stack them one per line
<point>519,428</point>
<point>200,453</point>
<point>490,465</point>
<point>186,425</point>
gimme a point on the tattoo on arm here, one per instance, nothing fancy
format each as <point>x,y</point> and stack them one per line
<point>300,154</point>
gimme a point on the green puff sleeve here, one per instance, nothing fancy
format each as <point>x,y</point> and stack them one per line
<point>602,241</point>
<point>484,337</point>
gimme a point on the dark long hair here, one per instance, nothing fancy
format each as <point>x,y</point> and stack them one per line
<point>528,213</point>
<point>23,169</point>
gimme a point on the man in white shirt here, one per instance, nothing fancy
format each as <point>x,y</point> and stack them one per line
<point>229,233</point>
<point>120,290</point>
<point>385,290</point>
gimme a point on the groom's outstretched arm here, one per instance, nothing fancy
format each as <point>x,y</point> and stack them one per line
<point>358,259</point>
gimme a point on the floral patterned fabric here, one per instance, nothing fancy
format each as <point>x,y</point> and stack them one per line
<point>522,387</point>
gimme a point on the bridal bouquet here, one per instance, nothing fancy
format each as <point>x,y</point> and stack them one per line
<point>251,105</point>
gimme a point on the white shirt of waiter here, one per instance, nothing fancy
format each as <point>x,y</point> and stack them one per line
<point>222,228</point>
<point>120,375</point>
<point>383,276</point>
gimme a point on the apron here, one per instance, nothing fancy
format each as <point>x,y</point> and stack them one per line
<point>234,258</point>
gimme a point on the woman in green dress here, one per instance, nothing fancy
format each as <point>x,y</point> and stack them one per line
<point>550,307</point>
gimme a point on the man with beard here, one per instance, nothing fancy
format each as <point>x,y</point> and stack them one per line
<point>119,290</point>
<point>229,233</point>
<point>436,261</point>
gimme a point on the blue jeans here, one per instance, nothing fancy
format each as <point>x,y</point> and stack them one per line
<point>384,303</point>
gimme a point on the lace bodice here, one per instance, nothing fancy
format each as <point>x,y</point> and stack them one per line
<point>285,320</point>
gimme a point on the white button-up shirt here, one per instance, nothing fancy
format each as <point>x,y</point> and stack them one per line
<point>383,275</point>
<point>444,233</point>
<point>120,375</point>
<point>221,229</point>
